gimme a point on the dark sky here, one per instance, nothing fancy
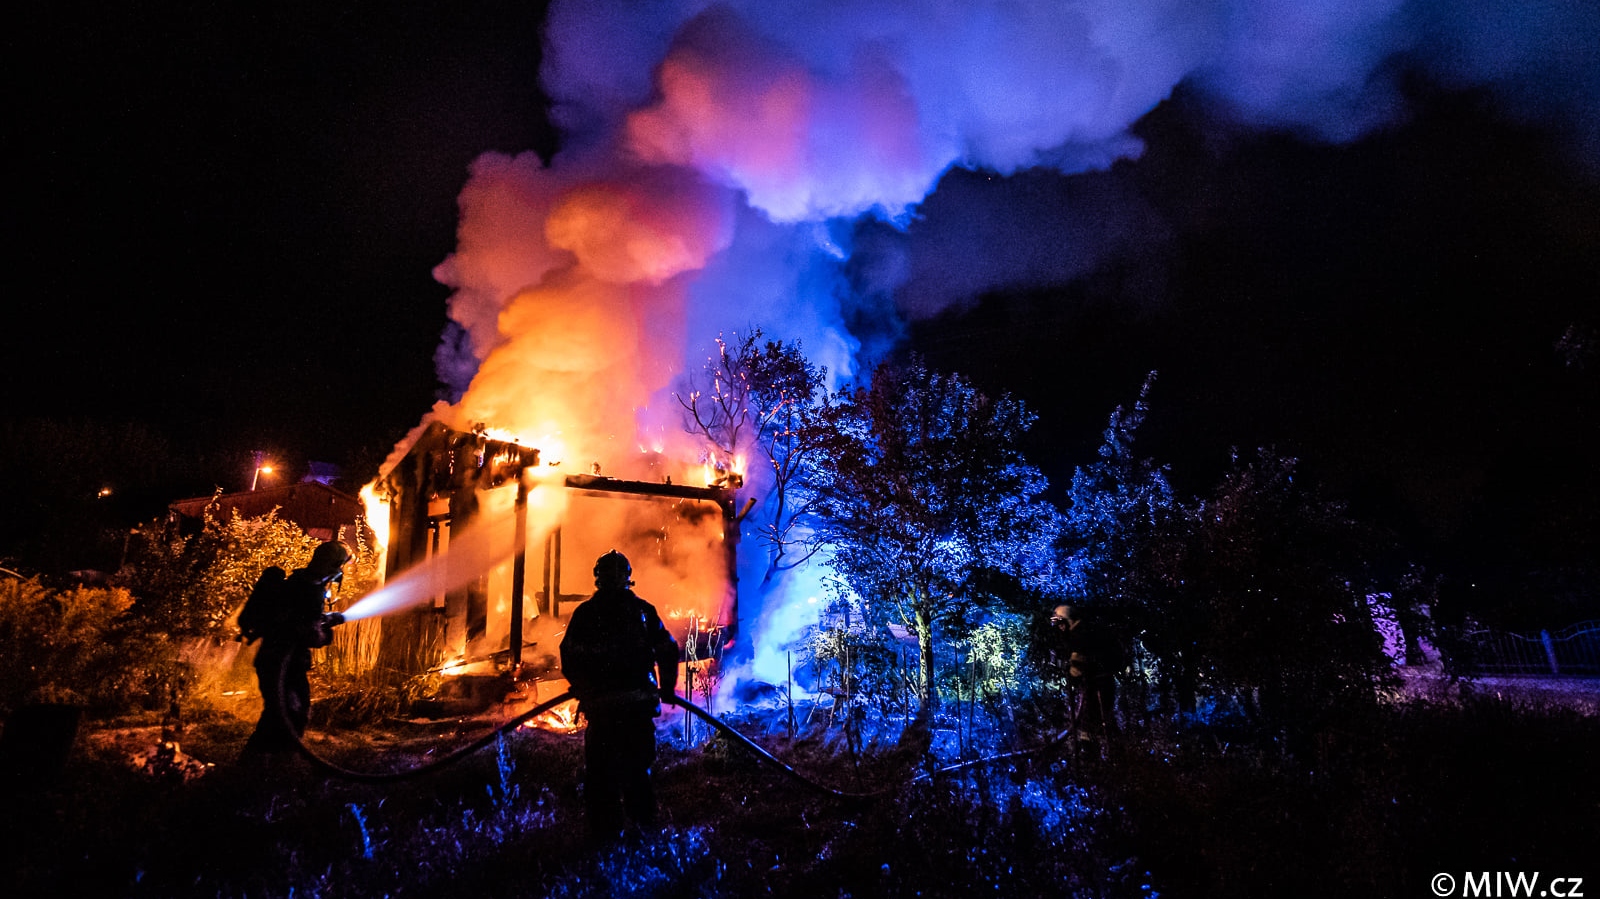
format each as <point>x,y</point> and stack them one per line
<point>228,221</point>
<point>1410,314</point>
<point>229,217</point>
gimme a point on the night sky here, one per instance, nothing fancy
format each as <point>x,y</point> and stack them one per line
<point>228,222</point>
<point>229,217</point>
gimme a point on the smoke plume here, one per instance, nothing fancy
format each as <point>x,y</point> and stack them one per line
<point>718,157</point>
<point>750,162</point>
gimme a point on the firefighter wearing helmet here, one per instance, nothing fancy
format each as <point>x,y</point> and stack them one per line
<point>290,620</point>
<point>621,663</point>
<point>1092,659</point>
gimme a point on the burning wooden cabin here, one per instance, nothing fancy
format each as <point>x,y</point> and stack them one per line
<point>507,546</point>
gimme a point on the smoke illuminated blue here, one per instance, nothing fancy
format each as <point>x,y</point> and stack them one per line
<point>809,138</point>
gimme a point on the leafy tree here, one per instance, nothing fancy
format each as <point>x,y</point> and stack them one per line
<point>1256,591</point>
<point>1120,531</point>
<point>194,585</point>
<point>1000,646</point>
<point>925,502</point>
<point>759,397</point>
<point>190,587</point>
<point>1116,510</point>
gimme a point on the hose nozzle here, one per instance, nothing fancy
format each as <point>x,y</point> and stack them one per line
<point>321,633</point>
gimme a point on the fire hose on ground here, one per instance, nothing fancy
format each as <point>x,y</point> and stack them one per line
<point>721,726</point>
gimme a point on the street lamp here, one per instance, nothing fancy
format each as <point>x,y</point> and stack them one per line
<point>260,469</point>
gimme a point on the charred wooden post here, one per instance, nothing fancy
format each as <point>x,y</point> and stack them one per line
<point>469,602</point>
<point>546,601</point>
<point>555,574</point>
<point>519,575</point>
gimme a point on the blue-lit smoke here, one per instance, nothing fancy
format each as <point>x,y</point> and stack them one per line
<point>756,163</point>
<point>873,101</point>
<point>820,116</point>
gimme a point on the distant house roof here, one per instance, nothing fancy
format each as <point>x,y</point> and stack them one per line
<point>323,512</point>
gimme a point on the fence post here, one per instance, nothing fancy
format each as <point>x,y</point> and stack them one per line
<point>688,720</point>
<point>972,702</point>
<point>1550,651</point>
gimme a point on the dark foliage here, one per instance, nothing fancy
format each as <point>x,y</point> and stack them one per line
<point>1278,575</point>
<point>1419,788</point>
<point>1254,595</point>
<point>78,647</point>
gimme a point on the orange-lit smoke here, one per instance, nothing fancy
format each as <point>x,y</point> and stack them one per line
<point>582,276</point>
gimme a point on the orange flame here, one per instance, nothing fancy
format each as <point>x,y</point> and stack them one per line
<point>563,719</point>
<point>720,471</point>
<point>377,511</point>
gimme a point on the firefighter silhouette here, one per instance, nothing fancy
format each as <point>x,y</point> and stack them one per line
<point>1091,659</point>
<point>290,625</point>
<point>613,649</point>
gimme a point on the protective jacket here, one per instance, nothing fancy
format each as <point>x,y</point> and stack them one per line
<point>614,645</point>
<point>294,626</point>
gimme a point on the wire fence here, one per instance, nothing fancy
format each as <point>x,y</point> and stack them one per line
<point>1571,651</point>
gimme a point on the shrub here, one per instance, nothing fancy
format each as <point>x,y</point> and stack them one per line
<point>76,646</point>
<point>192,586</point>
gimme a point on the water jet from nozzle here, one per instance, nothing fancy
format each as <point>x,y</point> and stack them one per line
<point>469,555</point>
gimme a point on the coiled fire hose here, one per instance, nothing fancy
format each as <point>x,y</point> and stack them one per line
<point>721,726</point>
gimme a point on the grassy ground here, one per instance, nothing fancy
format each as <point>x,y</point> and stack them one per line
<point>1481,785</point>
<point>1477,784</point>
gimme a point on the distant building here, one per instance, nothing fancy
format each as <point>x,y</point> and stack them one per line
<point>321,511</point>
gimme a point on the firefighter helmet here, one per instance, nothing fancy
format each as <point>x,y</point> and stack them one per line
<point>613,570</point>
<point>327,560</point>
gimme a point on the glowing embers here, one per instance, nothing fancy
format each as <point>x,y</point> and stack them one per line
<point>563,719</point>
<point>703,641</point>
